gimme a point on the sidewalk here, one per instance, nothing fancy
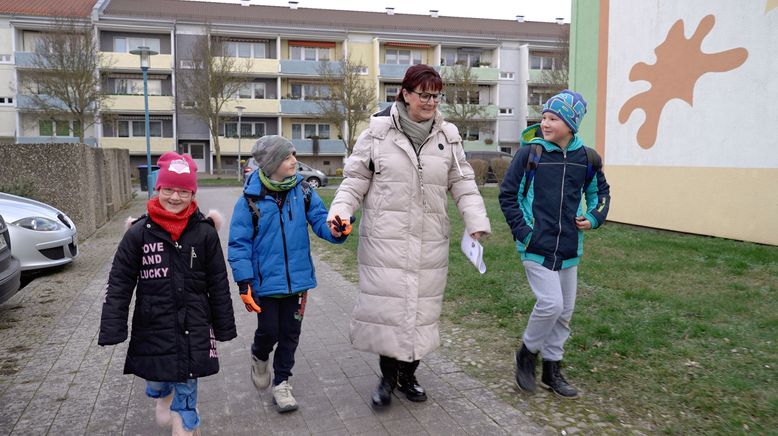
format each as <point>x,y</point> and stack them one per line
<point>55,379</point>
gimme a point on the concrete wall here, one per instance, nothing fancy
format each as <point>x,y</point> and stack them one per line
<point>88,184</point>
<point>681,108</point>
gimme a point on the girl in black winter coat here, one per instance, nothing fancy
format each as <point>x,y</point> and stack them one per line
<point>182,305</point>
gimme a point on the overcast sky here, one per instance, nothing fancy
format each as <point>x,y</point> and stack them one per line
<point>533,10</point>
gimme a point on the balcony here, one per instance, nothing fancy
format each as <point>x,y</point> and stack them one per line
<point>326,147</point>
<point>137,145</point>
<point>24,59</point>
<point>253,106</point>
<point>394,71</point>
<point>268,67</point>
<point>53,140</point>
<point>305,68</point>
<point>479,145</point>
<point>134,103</point>
<point>300,107</point>
<point>480,74</point>
<point>533,111</point>
<point>126,61</point>
<point>26,103</point>
<point>229,146</point>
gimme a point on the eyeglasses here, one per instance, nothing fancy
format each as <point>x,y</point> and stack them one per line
<point>426,96</point>
<point>182,193</point>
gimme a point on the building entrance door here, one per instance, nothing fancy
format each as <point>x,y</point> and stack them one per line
<point>197,151</point>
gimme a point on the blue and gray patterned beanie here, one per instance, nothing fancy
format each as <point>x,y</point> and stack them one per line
<point>568,105</point>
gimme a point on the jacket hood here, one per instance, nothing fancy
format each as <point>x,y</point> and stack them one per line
<point>532,135</point>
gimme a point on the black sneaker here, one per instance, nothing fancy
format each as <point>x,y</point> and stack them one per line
<point>525,369</point>
<point>554,381</point>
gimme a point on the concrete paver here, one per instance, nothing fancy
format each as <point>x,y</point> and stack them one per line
<point>55,379</point>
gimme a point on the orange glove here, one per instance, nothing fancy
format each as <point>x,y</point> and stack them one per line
<point>342,225</point>
<point>248,298</point>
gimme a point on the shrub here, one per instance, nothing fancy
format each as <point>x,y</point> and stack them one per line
<point>500,167</point>
<point>481,169</point>
<point>339,172</point>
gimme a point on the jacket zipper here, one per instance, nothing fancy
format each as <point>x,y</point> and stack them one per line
<point>283,239</point>
<point>561,202</point>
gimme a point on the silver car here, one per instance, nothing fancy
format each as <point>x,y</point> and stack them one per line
<point>314,177</point>
<point>41,236</point>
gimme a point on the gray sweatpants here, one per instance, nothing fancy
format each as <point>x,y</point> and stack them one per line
<point>549,325</point>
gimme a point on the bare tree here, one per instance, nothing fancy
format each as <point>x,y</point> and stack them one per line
<point>64,79</point>
<point>462,107</point>
<point>211,80</point>
<point>352,98</point>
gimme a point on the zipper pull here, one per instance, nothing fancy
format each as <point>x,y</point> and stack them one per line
<point>192,258</point>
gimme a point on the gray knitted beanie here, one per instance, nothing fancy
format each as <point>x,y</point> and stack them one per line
<point>270,150</point>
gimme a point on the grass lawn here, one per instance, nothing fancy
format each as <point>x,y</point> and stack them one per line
<point>677,331</point>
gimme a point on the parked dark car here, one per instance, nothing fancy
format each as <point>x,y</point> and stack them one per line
<point>10,267</point>
<point>314,177</point>
<point>488,156</point>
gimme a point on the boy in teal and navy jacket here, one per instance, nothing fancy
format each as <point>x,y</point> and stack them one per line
<point>547,221</point>
<point>270,255</point>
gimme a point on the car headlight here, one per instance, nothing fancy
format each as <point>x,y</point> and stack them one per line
<point>38,223</point>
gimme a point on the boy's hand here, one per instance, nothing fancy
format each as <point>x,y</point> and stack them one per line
<point>340,227</point>
<point>247,297</point>
<point>582,223</point>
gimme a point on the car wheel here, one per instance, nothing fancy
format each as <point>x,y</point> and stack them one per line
<point>314,182</point>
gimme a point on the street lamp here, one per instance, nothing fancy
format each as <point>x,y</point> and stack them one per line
<point>145,53</point>
<point>239,108</point>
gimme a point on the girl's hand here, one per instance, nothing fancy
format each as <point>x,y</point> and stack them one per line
<point>477,235</point>
<point>582,223</point>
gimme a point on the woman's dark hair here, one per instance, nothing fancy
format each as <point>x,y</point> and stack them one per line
<point>423,76</point>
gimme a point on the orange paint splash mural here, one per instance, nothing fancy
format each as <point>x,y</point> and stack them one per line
<point>680,62</point>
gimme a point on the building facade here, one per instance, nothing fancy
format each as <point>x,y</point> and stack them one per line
<point>681,109</point>
<point>283,48</point>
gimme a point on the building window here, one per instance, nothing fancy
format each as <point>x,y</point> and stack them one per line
<point>235,49</point>
<point>134,129</point>
<point>135,87</point>
<point>306,131</point>
<point>123,44</point>
<point>309,91</point>
<point>471,57</point>
<point>58,128</point>
<point>538,97</point>
<point>391,92</point>
<point>5,59</point>
<point>301,53</point>
<point>506,75</point>
<point>464,97</point>
<point>248,129</point>
<point>472,134</point>
<point>538,62</point>
<point>506,150</point>
<point>506,111</point>
<point>6,101</point>
<point>398,56</point>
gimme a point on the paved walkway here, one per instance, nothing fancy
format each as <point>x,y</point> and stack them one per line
<point>55,379</point>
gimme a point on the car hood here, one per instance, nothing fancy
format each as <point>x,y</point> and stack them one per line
<point>15,208</point>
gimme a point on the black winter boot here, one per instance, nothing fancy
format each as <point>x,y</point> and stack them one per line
<point>408,384</point>
<point>382,395</point>
<point>525,369</point>
<point>554,381</point>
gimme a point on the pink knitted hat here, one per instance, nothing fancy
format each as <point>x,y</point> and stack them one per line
<point>177,171</point>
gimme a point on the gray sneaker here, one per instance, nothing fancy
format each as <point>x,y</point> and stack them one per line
<point>282,397</point>
<point>260,373</point>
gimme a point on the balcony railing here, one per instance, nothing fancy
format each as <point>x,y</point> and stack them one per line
<point>300,107</point>
<point>253,106</point>
<point>127,61</point>
<point>137,145</point>
<point>480,74</point>
<point>257,66</point>
<point>135,103</point>
<point>305,68</point>
<point>27,102</point>
<point>54,140</point>
<point>326,147</point>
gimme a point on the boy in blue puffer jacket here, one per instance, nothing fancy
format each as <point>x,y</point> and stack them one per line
<point>269,252</point>
<point>547,222</point>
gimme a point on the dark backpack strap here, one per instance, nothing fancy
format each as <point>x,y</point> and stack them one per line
<point>255,214</point>
<point>306,188</point>
<point>532,165</point>
<point>593,165</point>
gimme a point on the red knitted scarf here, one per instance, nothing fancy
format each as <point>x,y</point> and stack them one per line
<point>173,223</point>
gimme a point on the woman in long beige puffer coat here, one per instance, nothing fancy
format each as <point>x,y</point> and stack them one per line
<point>400,170</point>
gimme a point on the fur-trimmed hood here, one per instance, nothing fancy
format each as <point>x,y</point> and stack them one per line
<point>213,214</point>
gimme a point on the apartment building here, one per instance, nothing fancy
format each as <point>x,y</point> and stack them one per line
<point>283,48</point>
